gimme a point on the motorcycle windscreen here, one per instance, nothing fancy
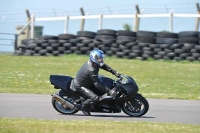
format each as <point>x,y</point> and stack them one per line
<point>130,88</point>
<point>106,81</point>
<point>63,82</point>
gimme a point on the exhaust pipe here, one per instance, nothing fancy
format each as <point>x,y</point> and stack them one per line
<point>63,101</point>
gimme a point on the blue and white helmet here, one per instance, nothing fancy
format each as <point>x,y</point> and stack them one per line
<point>97,56</point>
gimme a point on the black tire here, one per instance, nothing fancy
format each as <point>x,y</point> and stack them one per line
<point>171,54</point>
<point>104,49</point>
<point>120,54</point>
<point>196,55</point>
<point>190,58</point>
<point>138,102</point>
<point>67,45</point>
<point>165,45</point>
<point>52,41</point>
<point>126,33</point>
<point>41,41</point>
<point>178,45</point>
<point>154,45</point>
<point>37,49</point>
<point>166,40</point>
<point>58,107</point>
<point>157,50</point>
<point>146,39</point>
<point>122,47</point>
<point>43,52</point>
<point>109,53</point>
<point>55,53</point>
<point>80,45</point>
<point>84,49</point>
<point>157,57</point>
<point>166,35</point>
<point>108,42</point>
<point>87,41</point>
<point>61,49</point>
<point>74,41</point>
<point>189,40</point>
<point>50,49</point>
<point>146,34</point>
<point>143,44</point>
<point>126,38</point>
<point>133,55</point>
<point>104,37</point>
<point>115,49</point>
<point>178,58</point>
<point>197,47</point>
<point>86,34</point>
<point>146,49</point>
<point>122,42</point>
<point>48,37</point>
<point>188,34</point>
<point>63,41</point>
<point>91,45</point>
<point>184,55</point>
<point>44,45</point>
<point>131,44</point>
<point>179,51</point>
<point>18,52</point>
<point>66,36</point>
<point>97,42</point>
<point>32,45</point>
<point>150,53</point>
<point>55,45</point>
<point>161,53</point>
<point>107,32</point>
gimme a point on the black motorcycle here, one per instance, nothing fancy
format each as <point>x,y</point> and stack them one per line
<point>122,96</point>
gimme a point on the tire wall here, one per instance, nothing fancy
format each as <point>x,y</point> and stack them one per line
<point>184,45</point>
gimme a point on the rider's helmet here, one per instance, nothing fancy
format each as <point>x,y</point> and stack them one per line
<point>96,56</point>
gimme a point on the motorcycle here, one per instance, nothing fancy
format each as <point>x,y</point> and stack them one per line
<point>124,96</point>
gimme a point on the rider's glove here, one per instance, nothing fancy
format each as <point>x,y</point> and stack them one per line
<point>117,74</point>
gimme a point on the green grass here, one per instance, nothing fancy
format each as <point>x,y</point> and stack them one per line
<point>15,125</point>
<point>156,79</point>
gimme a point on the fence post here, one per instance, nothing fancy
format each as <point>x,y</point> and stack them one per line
<point>100,21</point>
<point>66,25</point>
<point>198,19</point>
<point>171,22</point>
<point>83,20</point>
<point>16,39</point>
<point>136,22</point>
<point>32,25</point>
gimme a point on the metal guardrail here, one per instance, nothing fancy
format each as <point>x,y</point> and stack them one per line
<point>14,40</point>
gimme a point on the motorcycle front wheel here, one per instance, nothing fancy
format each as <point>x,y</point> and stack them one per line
<point>61,108</point>
<point>136,107</point>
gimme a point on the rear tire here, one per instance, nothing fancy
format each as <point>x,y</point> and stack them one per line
<point>61,109</point>
<point>136,107</point>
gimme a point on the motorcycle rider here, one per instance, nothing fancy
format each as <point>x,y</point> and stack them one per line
<point>87,78</point>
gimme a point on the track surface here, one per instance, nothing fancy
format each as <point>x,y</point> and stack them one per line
<point>40,107</point>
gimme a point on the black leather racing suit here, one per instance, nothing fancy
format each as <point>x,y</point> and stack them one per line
<point>87,77</point>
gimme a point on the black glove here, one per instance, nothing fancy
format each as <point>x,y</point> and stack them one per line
<point>117,74</point>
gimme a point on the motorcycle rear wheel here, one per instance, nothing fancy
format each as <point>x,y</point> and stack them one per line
<point>136,107</point>
<point>61,109</point>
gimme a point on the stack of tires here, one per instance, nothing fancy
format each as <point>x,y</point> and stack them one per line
<point>85,42</point>
<point>184,45</point>
<point>164,40</point>
<point>124,43</point>
<point>104,39</point>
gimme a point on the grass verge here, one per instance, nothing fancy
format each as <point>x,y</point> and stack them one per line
<point>156,79</point>
<point>16,125</point>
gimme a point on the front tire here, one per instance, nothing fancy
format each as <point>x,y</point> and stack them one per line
<point>136,107</point>
<point>61,109</point>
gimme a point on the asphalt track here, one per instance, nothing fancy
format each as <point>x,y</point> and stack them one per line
<point>40,107</point>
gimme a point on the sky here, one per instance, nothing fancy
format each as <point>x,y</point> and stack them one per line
<point>12,14</point>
